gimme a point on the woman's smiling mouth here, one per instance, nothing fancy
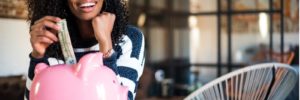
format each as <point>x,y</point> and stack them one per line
<point>87,7</point>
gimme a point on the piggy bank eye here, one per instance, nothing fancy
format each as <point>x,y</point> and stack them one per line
<point>114,81</point>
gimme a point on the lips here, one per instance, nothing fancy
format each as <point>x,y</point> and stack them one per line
<point>87,7</point>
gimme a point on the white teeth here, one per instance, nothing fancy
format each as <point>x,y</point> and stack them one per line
<point>87,4</point>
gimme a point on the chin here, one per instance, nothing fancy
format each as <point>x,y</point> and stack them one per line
<point>86,17</point>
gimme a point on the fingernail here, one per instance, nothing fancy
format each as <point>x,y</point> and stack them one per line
<point>58,19</point>
<point>57,27</point>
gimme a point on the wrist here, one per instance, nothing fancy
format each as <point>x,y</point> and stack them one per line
<point>36,55</point>
<point>105,46</point>
<point>104,41</point>
<point>108,53</point>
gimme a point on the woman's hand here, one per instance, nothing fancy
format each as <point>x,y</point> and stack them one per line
<point>103,26</point>
<point>42,34</point>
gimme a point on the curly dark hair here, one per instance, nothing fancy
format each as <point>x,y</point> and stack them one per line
<point>59,8</point>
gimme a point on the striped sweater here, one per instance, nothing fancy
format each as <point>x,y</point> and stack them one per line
<point>127,61</point>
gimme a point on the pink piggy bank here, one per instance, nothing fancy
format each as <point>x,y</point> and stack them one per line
<point>89,79</point>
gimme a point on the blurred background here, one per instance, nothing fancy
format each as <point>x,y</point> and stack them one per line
<point>188,42</point>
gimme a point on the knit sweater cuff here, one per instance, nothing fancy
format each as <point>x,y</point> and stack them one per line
<point>43,59</point>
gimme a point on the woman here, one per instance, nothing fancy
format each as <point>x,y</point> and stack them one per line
<point>94,26</point>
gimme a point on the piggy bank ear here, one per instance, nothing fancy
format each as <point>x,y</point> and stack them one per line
<point>39,67</point>
<point>87,64</point>
<point>92,59</point>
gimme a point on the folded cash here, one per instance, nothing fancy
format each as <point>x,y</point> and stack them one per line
<point>65,43</point>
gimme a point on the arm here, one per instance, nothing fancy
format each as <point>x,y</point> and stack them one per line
<point>128,60</point>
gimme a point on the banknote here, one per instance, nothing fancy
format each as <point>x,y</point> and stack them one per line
<point>65,43</point>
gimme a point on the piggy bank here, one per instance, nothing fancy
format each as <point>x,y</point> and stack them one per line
<point>89,79</point>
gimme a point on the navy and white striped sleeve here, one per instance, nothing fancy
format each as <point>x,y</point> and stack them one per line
<point>130,63</point>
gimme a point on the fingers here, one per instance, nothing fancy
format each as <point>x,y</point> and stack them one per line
<point>111,16</point>
<point>39,45</point>
<point>106,18</point>
<point>46,22</point>
<point>47,34</point>
<point>42,25</point>
<point>49,18</point>
<point>47,37</point>
<point>50,25</point>
<point>108,15</point>
<point>43,39</point>
<point>51,36</point>
<point>39,29</point>
<point>43,33</point>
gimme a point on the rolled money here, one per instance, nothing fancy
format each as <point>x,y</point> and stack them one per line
<point>65,43</point>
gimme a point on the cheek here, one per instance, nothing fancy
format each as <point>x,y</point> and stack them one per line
<point>74,11</point>
<point>72,5</point>
<point>100,6</point>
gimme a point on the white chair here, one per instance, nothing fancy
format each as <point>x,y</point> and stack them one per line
<point>271,81</point>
